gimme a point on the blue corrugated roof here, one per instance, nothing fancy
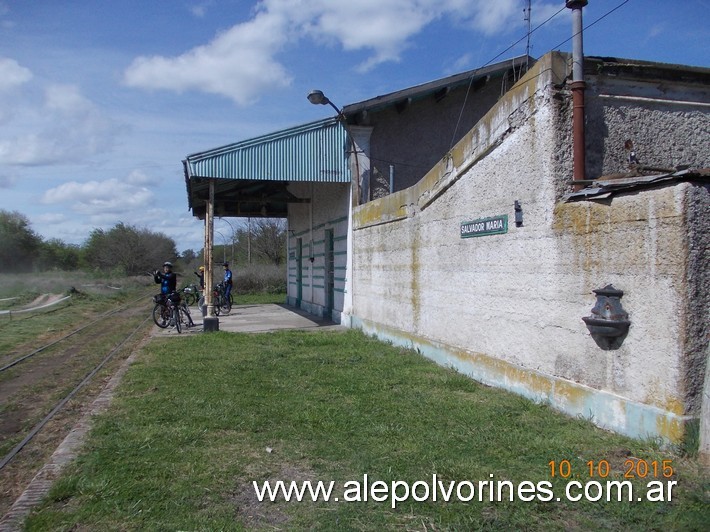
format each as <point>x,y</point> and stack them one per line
<point>309,152</point>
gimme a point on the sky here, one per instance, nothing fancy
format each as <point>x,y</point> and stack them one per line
<point>100,101</point>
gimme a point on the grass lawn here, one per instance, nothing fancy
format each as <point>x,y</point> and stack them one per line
<point>198,419</point>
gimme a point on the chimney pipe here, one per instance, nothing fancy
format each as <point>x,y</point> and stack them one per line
<point>577,87</point>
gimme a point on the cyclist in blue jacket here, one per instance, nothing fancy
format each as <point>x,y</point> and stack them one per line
<point>227,281</point>
<point>166,279</point>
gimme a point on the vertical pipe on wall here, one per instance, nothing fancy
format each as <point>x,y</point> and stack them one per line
<point>391,178</point>
<point>577,86</point>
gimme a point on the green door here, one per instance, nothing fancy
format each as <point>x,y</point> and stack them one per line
<point>329,273</point>
<point>299,271</point>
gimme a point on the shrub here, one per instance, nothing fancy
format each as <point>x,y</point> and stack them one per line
<point>260,278</point>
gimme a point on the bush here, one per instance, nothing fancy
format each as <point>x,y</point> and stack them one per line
<point>260,278</point>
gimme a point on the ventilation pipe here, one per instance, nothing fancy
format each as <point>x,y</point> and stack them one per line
<point>577,87</point>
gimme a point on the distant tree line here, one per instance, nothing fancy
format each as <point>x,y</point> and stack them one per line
<point>129,250</point>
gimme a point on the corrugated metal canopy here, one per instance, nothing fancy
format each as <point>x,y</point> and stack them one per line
<point>252,175</point>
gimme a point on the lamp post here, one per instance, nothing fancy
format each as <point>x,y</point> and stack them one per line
<point>233,233</point>
<point>316,97</point>
<point>224,248</point>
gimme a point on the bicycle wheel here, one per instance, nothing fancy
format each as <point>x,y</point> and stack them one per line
<point>176,318</point>
<point>161,315</point>
<point>189,298</point>
<point>225,307</point>
<point>217,305</point>
<point>185,311</point>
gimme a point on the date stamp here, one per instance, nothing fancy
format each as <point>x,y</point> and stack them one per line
<point>637,479</point>
<point>633,468</point>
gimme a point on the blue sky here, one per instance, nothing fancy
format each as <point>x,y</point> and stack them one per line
<point>101,100</point>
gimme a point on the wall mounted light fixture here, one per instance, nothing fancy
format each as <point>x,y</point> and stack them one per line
<point>518,214</point>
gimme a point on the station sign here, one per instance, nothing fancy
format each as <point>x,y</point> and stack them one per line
<point>495,225</point>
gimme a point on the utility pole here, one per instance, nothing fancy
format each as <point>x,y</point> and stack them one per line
<point>528,19</point>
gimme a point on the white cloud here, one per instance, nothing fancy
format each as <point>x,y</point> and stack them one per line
<point>200,9</point>
<point>238,64</point>
<point>12,74</point>
<point>64,127</point>
<point>242,62</point>
<point>101,198</point>
<point>138,177</point>
<point>383,27</point>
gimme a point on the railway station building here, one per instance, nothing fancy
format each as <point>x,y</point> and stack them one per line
<point>452,218</point>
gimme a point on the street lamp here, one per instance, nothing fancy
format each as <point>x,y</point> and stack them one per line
<point>233,233</point>
<point>316,97</point>
<point>224,247</point>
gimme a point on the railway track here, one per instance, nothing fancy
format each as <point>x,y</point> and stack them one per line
<point>44,390</point>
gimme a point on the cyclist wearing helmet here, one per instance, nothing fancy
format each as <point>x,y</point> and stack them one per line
<point>201,276</point>
<point>166,279</point>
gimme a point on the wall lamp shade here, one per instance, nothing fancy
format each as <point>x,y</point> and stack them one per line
<point>318,98</point>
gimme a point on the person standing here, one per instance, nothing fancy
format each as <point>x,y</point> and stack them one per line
<point>166,279</point>
<point>201,276</point>
<point>227,281</point>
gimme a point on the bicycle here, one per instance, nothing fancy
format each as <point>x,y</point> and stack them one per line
<point>221,303</point>
<point>190,294</point>
<point>170,310</point>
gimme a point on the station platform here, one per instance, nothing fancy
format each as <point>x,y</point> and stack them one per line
<point>255,319</point>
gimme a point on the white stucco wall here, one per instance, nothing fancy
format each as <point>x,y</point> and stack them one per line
<point>309,222</point>
<point>507,308</point>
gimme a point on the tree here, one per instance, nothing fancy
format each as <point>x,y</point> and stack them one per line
<point>268,239</point>
<point>18,243</point>
<point>56,254</point>
<point>188,256</point>
<point>128,249</point>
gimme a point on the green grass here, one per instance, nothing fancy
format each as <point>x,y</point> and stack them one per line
<point>197,419</point>
<point>260,298</point>
<point>25,331</point>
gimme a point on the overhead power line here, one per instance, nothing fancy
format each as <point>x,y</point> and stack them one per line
<point>526,36</point>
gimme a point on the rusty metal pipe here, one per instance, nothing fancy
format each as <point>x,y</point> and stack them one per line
<point>578,87</point>
<point>578,149</point>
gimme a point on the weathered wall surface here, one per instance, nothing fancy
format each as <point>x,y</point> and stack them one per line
<point>507,308</point>
<point>311,223</point>
<point>423,132</point>
<point>666,119</point>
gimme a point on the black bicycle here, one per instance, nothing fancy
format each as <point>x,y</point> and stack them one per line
<point>222,304</point>
<point>171,310</point>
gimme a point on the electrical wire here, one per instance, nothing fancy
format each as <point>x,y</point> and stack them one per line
<point>470,81</point>
<point>585,28</point>
<point>463,106</point>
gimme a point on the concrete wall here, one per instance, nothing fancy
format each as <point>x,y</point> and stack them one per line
<point>412,138</point>
<point>507,308</point>
<point>310,223</point>
<point>659,109</point>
